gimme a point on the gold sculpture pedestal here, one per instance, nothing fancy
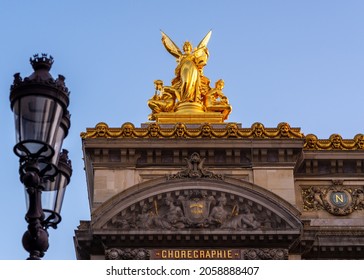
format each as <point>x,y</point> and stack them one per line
<point>189,112</point>
<point>205,117</point>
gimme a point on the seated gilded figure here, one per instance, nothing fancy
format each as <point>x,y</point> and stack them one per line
<point>163,99</point>
<point>216,101</point>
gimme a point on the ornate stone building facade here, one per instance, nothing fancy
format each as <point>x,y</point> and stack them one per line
<point>189,185</point>
<point>256,192</point>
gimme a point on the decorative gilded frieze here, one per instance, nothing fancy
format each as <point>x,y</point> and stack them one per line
<point>335,142</point>
<point>338,200</point>
<point>181,130</point>
<point>230,130</point>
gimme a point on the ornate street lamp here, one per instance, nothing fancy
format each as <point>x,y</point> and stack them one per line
<point>42,121</point>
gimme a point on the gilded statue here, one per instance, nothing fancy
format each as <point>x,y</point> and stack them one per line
<point>163,99</point>
<point>189,70</point>
<point>190,90</point>
<point>216,101</point>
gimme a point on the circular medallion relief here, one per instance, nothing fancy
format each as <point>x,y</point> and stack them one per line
<point>339,198</point>
<point>338,202</point>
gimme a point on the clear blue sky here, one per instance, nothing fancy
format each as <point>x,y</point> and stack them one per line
<point>301,62</point>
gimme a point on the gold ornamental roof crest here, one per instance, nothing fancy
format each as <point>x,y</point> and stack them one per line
<point>190,97</point>
<point>219,131</point>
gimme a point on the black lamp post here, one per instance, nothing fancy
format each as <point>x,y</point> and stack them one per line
<point>42,121</point>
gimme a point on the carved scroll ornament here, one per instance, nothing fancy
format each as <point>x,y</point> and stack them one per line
<point>195,169</point>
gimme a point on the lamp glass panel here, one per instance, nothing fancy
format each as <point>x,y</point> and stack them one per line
<point>37,118</point>
<point>53,194</point>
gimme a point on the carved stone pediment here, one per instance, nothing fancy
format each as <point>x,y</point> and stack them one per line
<point>198,209</point>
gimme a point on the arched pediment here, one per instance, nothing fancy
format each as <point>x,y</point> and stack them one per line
<point>196,205</point>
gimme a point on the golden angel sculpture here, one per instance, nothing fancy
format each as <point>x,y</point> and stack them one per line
<point>190,90</point>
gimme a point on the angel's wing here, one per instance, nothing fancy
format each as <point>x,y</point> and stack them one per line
<point>204,41</point>
<point>170,46</point>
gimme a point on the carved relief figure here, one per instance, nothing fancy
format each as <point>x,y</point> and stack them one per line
<point>336,141</point>
<point>310,142</point>
<point>145,219</point>
<point>317,199</point>
<point>249,219</point>
<point>101,129</point>
<point>284,129</point>
<point>180,130</point>
<point>232,130</point>
<point>258,130</point>
<point>218,213</point>
<point>206,130</point>
<point>359,140</point>
<point>154,130</point>
<point>175,216</point>
<point>245,220</point>
<point>359,201</point>
<point>127,129</point>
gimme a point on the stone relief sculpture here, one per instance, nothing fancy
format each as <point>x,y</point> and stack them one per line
<point>127,254</point>
<point>337,199</point>
<point>197,209</point>
<point>195,169</point>
<point>265,254</point>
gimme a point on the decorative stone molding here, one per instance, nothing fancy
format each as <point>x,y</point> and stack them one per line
<point>195,169</point>
<point>338,200</point>
<point>127,254</point>
<point>246,254</point>
<point>265,254</point>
